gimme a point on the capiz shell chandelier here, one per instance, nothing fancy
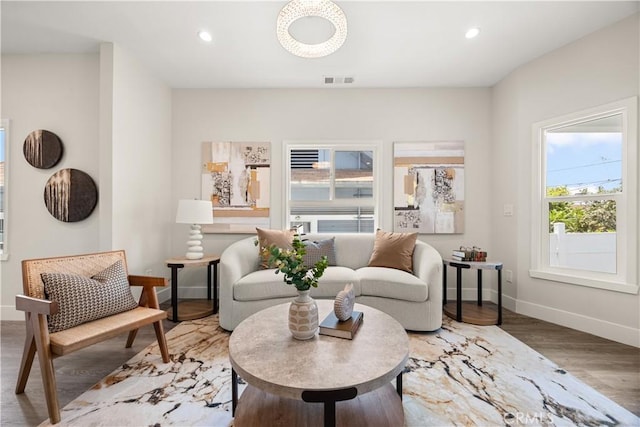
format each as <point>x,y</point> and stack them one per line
<point>297,9</point>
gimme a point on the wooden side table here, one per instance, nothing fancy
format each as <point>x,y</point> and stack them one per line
<point>476,314</point>
<point>194,308</point>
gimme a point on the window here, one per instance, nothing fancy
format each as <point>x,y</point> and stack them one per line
<point>332,187</point>
<point>4,146</point>
<point>585,220</point>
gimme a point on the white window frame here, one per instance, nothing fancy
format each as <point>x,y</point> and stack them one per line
<point>374,146</point>
<point>626,277</point>
<point>4,124</point>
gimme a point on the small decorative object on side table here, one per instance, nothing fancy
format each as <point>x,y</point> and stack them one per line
<point>194,308</point>
<point>475,313</point>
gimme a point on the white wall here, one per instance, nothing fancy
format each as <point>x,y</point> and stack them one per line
<point>58,93</point>
<point>114,119</point>
<point>325,114</point>
<point>141,166</point>
<point>600,68</point>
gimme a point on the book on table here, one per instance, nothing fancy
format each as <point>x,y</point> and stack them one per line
<point>342,329</point>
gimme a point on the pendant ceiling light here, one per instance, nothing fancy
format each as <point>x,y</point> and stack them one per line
<point>297,9</point>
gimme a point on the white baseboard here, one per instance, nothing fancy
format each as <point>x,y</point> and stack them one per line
<point>164,294</point>
<point>601,328</point>
<point>9,312</point>
<point>471,294</point>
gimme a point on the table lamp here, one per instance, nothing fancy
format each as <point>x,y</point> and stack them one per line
<point>194,212</point>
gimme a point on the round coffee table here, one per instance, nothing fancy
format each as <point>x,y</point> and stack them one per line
<point>292,382</point>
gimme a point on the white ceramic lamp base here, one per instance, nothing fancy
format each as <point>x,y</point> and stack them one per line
<point>194,244</point>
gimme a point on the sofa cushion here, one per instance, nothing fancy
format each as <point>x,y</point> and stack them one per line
<point>266,284</point>
<point>333,281</point>
<point>262,284</point>
<point>317,249</point>
<point>83,299</point>
<point>278,238</point>
<point>393,250</point>
<point>392,283</point>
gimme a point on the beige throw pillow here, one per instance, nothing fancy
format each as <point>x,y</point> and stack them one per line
<point>279,238</point>
<point>393,250</point>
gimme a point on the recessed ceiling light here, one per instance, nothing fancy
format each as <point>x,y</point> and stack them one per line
<point>472,32</point>
<point>205,36</point>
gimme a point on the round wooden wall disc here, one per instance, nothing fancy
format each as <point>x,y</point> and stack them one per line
<point>42,149</point>
<point>70,195</point>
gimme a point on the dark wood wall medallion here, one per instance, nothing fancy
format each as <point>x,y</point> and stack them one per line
<point>70,195</point>
<point>42,149</point>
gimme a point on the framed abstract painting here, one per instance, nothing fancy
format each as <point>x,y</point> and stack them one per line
<point>236,178</point>
<point>428,187</point>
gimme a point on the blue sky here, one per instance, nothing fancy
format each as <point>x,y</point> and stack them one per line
<point>580,160</point>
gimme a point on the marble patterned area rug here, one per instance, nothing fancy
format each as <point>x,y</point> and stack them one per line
<point>460,375</point>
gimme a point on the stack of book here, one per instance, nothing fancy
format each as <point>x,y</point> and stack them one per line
<point>474,254</point>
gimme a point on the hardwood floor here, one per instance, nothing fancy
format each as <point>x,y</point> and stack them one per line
<point>609,367</point>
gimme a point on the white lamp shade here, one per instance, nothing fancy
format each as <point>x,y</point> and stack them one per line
<point>194,212</point>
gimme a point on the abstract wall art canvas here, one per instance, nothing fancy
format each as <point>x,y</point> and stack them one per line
<point>428,187</point>
<point>236,177</point>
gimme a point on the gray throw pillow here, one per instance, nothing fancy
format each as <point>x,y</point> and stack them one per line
<point>316,250</point>
<point>82,299</point>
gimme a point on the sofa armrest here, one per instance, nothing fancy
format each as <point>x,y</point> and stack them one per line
<point>427,266</point>
<point>237,260</point>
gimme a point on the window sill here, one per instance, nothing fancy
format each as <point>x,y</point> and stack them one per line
<point>626,288</point>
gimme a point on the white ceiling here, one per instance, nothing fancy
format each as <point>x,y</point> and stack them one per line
<point>389,43</point>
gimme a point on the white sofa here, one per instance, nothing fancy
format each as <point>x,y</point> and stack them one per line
<point>414,300</point>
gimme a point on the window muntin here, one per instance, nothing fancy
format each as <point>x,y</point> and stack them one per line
<point>332,187</point>
<point>586,191</point>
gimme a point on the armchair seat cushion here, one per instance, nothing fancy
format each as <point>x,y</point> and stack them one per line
<point>81,336</point>
<point>392,283</point>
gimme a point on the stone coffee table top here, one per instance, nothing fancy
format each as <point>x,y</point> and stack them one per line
<point>263,352</point>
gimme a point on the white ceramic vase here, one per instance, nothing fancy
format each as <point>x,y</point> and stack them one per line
<point>303,316</point>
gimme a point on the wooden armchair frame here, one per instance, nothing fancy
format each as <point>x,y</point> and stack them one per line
<point>51,345</point>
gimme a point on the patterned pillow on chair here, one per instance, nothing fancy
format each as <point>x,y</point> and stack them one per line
<point>82,299</point>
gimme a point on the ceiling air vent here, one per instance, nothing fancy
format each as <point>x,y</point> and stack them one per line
<point>334,80</point>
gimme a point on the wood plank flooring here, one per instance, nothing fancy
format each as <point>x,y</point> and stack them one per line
<point>611,368</point>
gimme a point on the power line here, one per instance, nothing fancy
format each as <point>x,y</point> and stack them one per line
<point>578,184</point>
<point>584,166</point>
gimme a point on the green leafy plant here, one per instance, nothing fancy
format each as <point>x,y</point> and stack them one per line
<point>290,262</point>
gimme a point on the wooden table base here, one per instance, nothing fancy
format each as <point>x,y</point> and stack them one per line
<point>381,407</point>
<point>473,313</point>
<point>189,309</point>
